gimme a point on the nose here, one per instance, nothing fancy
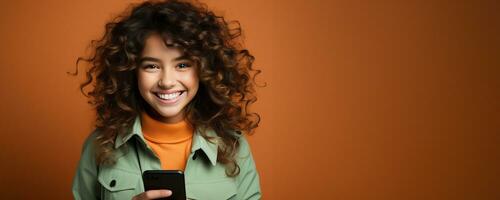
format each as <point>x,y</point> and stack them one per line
<point>167,80</point>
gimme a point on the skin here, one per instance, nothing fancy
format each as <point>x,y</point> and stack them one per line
<point>162,69</point>
<point>153,194</point>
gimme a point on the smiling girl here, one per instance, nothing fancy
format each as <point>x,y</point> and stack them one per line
<point>171,90</point>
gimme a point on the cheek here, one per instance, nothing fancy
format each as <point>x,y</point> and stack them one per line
<point>193,82</point>
<point>144,82</point>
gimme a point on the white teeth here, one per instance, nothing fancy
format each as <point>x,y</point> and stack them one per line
<point>169,96</point>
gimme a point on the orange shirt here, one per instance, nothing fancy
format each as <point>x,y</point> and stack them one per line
<point>170,142</point>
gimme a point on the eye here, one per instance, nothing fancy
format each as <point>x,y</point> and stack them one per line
<point>151,66</point>
<point>183,65</point>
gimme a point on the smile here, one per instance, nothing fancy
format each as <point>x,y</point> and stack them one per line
<point>170,98</point>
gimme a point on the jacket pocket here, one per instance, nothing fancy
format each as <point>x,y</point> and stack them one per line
<point>211,190</point>
<point>118,184</point>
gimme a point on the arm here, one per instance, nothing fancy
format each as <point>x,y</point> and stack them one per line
<point>248,179</point>
<point>85,185</point>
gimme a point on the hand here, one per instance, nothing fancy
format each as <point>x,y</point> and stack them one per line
<point>152,194</point>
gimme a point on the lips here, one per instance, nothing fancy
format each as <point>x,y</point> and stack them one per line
<point>170,97</point>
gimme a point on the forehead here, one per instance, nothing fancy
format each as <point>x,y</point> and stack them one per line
<point>154,46</point>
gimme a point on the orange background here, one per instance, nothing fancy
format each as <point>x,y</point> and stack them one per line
<point>365,99</point>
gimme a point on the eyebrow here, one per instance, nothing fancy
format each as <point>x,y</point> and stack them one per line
<point>153,59</point>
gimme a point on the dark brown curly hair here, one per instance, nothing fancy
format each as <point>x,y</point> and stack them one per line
<point>225,71</point>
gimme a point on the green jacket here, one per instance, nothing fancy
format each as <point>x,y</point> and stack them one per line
<point>204,177</point>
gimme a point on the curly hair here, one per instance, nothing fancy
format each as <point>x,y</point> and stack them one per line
<point>225,71</point>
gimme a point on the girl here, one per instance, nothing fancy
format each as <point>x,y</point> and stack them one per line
<point>171,91</point>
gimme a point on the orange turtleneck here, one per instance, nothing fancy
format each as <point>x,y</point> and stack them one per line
<point>170,142</point>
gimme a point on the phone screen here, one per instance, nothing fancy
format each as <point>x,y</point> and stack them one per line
<point>172,180</point>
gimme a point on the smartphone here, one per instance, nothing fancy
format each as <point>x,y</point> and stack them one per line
<point>172,180</point>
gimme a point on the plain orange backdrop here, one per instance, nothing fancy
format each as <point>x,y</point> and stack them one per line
<point>364,99</point>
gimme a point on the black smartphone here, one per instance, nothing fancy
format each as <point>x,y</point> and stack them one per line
<point>172,180</point>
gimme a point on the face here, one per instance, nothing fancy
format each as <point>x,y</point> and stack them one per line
<point>167,81</point>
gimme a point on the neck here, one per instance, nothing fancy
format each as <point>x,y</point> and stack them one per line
<point>158,117</point>
<point>161,132</point>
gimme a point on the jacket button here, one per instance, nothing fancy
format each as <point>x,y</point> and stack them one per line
<point>112,183</point>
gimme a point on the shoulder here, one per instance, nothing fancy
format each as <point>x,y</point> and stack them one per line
<point>244,146</point>
<point>243,149</point>
<point>244,153</point>
<point>89,142</point>
<point>248,180</point>
<point>88,150</point>
<point>84,181</point>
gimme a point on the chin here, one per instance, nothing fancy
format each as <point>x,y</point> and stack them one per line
<point>169,114</point>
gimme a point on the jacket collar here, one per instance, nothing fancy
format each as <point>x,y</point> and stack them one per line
<point>199,142</point>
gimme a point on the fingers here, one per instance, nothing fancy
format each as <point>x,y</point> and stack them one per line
<point>153,194</point>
